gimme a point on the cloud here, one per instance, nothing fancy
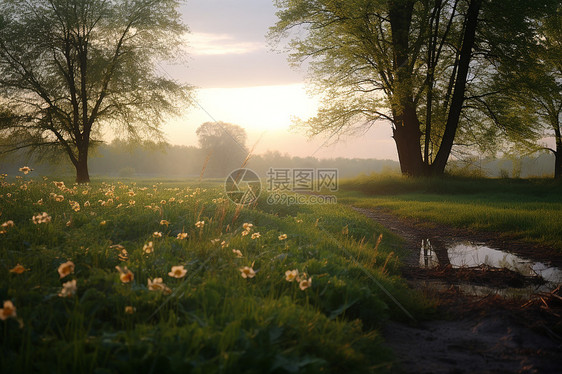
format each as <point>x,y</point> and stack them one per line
<point>208,44</point>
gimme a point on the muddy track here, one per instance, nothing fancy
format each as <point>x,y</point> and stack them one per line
<point>477,334</point>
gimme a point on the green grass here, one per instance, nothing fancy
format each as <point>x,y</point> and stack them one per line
<point>214,320</point>
<point>517,208</point>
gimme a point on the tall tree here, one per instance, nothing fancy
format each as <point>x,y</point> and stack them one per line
<point>225,147</point>
<point>411,62</point>
<point>70,67</point>
<point>529,103</point>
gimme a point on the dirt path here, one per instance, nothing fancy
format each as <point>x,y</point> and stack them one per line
<point>478,334</point>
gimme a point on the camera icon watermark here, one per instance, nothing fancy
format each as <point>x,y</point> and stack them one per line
<point>286,186</point>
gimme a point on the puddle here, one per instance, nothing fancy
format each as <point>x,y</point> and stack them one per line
<point>470,255</point>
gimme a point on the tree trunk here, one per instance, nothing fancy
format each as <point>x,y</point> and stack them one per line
<point>407,136</point>
<point>558,153</point>
<point>82,174</point>
<point>406,132</point>
<point>438,166</point>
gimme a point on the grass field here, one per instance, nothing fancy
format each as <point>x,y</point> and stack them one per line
<point>523,209</point>
<point>143,276</point>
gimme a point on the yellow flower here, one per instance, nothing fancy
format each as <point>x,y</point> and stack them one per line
<point>305,283</point>
<point>247,226</point>
<point>75,205</point>
<point>177,272</point>
<point>224,244</point>
<point>282,236</point>
<point>131,193</point>
<point>68,288</point>
<point>9,311</point>
<point>164,222</point>
<point>41,218</point>
<point>8,224</point>
<point>85,192</point>
<point>148,248</point>
<point>132,202</point>
<point>58,198</point>
<point>157,234</point>
<point>247,272</point>
<point>237,253</point>
<point>245,232</point>
<point>291,275</point>
<point>182,235</point>
<point>256,235</point>
<point>66,269</point>
<point>18,269</point>
<point>200,224</point>
<point>125,275</point>
<point>103,223</point>
<point>215,241</point>
<point>26,169</point>
<point>130,309</point>
<point>158,285</point>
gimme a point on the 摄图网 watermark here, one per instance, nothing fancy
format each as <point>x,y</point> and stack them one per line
<point>285,186</point>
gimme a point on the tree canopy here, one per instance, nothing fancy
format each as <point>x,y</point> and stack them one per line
<point>69,68</point>
<point>419,64</point>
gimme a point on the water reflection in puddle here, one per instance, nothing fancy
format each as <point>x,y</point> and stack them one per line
<point>467,254</point>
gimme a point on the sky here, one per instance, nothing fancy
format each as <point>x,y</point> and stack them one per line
<point>241,80</point>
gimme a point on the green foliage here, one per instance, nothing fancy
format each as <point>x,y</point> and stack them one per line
<point>69,68</point>
<point>214,320</point>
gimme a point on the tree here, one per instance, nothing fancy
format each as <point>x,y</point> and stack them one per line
<point>225,146</point>
<point>531,91</point>
<point>415,63</point>
<point>69,68</point>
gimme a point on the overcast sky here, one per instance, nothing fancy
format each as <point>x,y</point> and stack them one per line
<point>242,81</point>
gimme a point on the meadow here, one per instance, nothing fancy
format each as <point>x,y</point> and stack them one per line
<point>523,209</point>
<point>170,276</point>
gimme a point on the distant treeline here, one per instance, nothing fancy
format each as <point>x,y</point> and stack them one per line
<point>121,159</point>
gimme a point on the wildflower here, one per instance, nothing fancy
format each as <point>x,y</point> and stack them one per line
<point>282,236</point>
<point>256,235</point>
<point>26,169</point>
<point>305,283</point>
<point>58,198</point>
<point>247,272</point>
<point>60,185</point>
<point>171,199</point>
<point>125,275</point>
<point>103,223</point>
<point>291,275</point>
<point>245,232</point>
<point>132,202</point>
<point>156,234</point>
<point>247,226</point>
<point>69,223</point>
<point>200,224</point>
<point>130,309</point>
<point>74,205</point>
<point>87,204</point>
<point>66,269</point>
<point>224,244</point>
<point>9,311</point>
<point>18,269</point>
<point>148,248</point>
<point>39,202</point>
<point>68,288</point>
<point>177,272</point>
<point>131,193</point>
<point>85,192</point>
<point>158,285</point>
<point>164,222</point>
<point>23,187</point>
<point>8,224</point>
<point>41,218</point>
<point>237,253</point>
<point>182,235</point>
